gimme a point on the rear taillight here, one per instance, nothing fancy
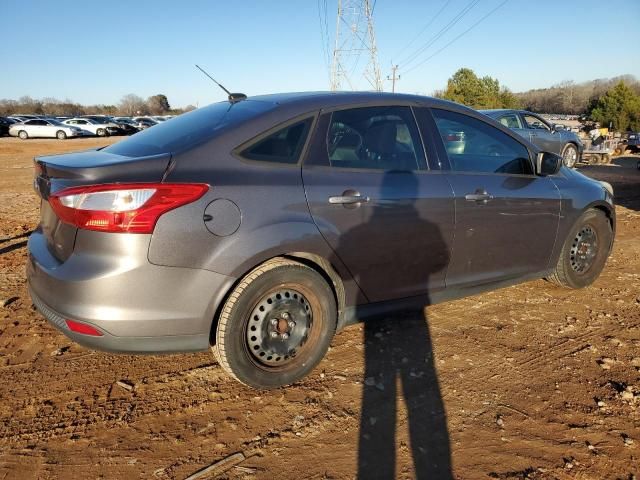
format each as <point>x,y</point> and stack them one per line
<point>122,208</point>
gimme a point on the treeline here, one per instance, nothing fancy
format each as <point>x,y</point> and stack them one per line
<point>467,88</point>
<point>129,105</point>
<point>613,102</point>
<point>573,98</point>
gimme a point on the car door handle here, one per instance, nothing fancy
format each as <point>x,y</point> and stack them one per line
<point>478,196</point>
<point>347,199</point>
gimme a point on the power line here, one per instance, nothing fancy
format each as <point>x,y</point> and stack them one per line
<point>401,51</point>
<point>440,33</point>
<point>456,38</point>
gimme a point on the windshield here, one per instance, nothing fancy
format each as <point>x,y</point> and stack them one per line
<point>54,122</point>
<point>189,129</point>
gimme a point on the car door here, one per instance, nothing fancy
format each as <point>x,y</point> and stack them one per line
<point>34,128</point>
<point>541,134</point>
<point>506,216</point>
<point>387,217</point>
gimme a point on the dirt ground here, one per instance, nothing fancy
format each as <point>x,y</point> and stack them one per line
<point>531,381</point>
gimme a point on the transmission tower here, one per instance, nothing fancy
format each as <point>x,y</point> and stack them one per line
<point>354,36</point>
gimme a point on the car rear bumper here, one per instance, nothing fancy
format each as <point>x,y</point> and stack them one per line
<point>108,283</point>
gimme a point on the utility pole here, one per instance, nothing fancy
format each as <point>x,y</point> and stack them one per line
<point>393,78</point>
<point>355,36</point>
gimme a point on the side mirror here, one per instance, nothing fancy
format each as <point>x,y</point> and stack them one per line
<point>548,163</point>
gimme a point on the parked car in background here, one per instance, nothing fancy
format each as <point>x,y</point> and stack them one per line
<point>143,124</point>
<point>159,118</point>
<point>263,225</point>
<point>5,123</point>
<point>125,125</point>
<point>147,120</point>
<point>93,126</point>
<point>547,136</point>
<point>41,128</point>
<point>631,144</point>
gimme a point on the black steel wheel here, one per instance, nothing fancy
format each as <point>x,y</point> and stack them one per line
<point>585,251</point>
<point>276,325</point>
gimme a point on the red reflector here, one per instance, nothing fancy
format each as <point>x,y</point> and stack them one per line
<point>83,328</point>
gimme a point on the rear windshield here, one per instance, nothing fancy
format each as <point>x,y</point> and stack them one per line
<point>189,129</point>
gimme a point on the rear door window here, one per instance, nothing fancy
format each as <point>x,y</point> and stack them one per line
<point>282,146</point>
<point>475,146</point>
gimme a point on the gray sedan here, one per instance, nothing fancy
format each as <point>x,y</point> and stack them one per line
<point>549,137</point>
<point>260,226</point>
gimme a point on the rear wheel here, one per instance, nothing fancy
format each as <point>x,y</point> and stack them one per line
<point>23,135</point>
<point>61,135</point>
<point>570,155</point>
<point>585,251</point>
<point>276,325</point>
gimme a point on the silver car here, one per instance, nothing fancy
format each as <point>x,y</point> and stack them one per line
<point>548,137</point>
<point>44,128</point>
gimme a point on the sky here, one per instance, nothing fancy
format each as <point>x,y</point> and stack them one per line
<point>97,52</point>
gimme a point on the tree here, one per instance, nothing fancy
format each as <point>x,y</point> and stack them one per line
<point>618,107</point>
<point>158,104</point>
<point>465,87</point>
<point>132,105</point>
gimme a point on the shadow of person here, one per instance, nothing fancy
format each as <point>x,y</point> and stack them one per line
<point>398,348</point>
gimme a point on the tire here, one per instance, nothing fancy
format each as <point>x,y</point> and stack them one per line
<point>584,252</point>
<point>60,135</point>
<point>101,132</point>
<point>570,155</point>
<point>605,159</point>
<point>23,135</point>
<point>276,325</point>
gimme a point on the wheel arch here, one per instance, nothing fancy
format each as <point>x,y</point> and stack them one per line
<point>311,260</point>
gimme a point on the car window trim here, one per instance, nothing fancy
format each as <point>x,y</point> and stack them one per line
<point>312,115</point>
<point>441,148</point>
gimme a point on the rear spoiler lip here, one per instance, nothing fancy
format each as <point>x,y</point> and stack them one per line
<point>91,167</point>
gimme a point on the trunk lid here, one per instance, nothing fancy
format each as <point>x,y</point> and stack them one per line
<point>57,172</point>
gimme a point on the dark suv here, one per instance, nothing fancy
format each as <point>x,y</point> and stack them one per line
<point>258,227</point>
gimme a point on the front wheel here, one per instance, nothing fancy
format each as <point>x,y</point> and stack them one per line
<point>101,132</point>
<point>61,135</point>
<point>585,251</point>
<point>23,135</point>
<point>570,155</point>
<point>276,325</point>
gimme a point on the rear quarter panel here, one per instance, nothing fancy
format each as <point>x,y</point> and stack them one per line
<point>275,218</point>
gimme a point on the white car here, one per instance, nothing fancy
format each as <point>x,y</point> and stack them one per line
<point>94,127</point>
<point>44,128</point>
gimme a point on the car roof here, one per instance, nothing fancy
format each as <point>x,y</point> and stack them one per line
<point>321,99</point>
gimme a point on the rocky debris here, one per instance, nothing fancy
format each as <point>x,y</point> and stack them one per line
<point>628,441</point>
<point>219,467</point>
<point>60,351</point>
<point>8,301</point>
<point>606,363</point>
<point>125,384</point>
